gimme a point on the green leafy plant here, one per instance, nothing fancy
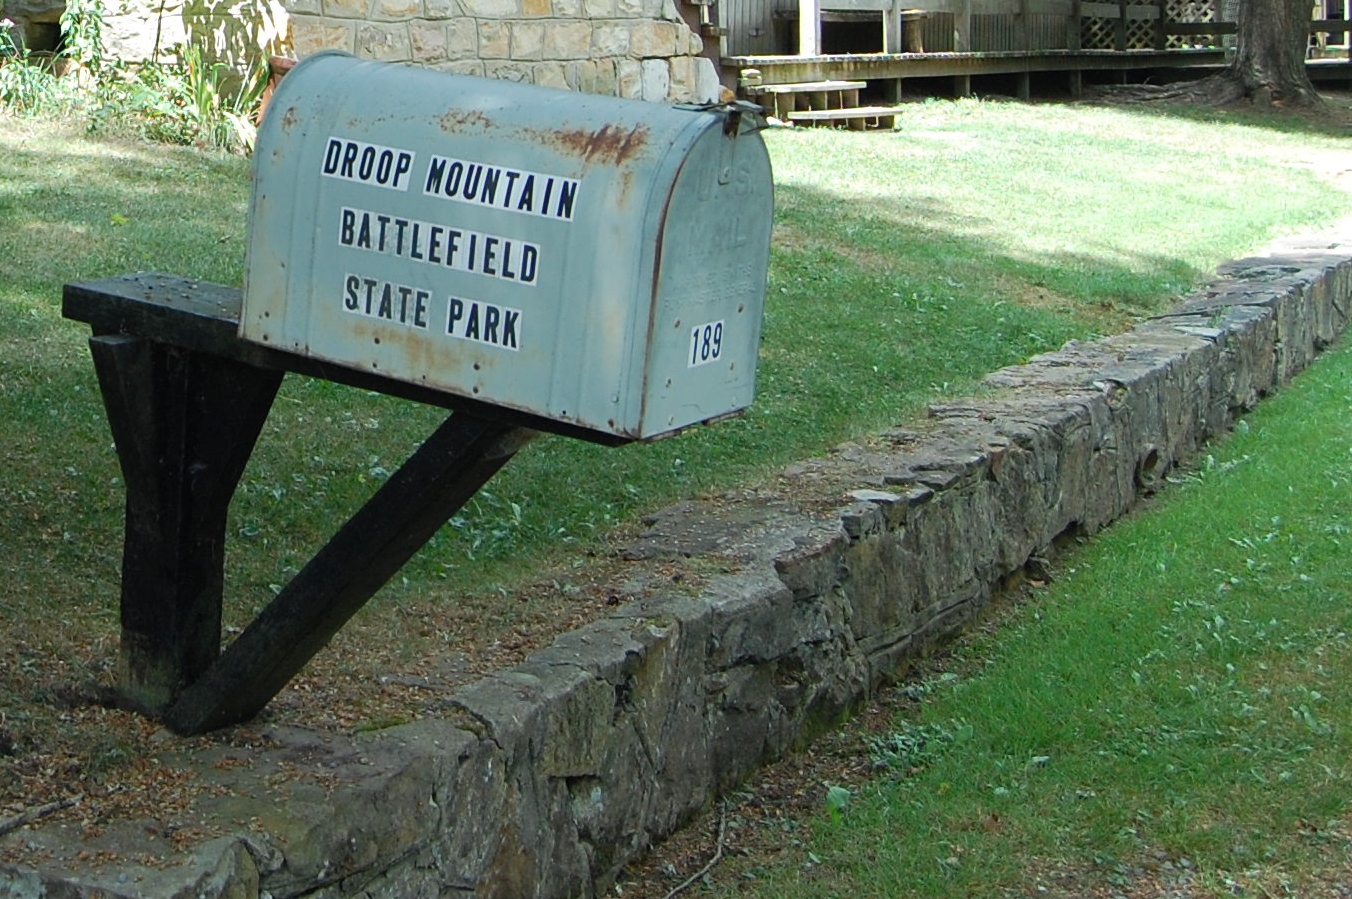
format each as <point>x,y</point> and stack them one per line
<point>837,800</point>
<point>82,28</point>
<point>188,100</point>
<point>28,84</point>
<point>913,746</point>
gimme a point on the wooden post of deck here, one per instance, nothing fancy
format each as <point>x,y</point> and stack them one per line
<point>1161,25</point>
<point>809,28</point>
<point>962,26</point>
<point>1024,80</point>
<point>1073,45</point>
<point>962,43</point>
<point>1121,38</point>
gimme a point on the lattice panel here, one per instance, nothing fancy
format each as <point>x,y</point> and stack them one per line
<point>1192,11</point>
<point>1140,35</point>
<point>1101,33</point>
<point>1098,34</point>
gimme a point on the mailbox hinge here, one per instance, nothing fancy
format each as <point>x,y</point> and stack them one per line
<point>733,113</point>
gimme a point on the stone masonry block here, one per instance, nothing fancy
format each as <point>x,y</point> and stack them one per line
<point>610,40</point>
<point>313,35</point>
<point>568,40</point>
<point>656,80</point>
<point>387,43</point>
<point>463,67</point>
<point>629,78</point>
<point>347,9</point>
<point>428,40</point>
<point>395,10</point>
<point>492,9</point>
<point>462,42</point>
<point>650,40</point>
<point>509,70</point>
<point>551,74</point>
<point>495,40</point>
<point>580,75</point>
<point>441,9</point>
<point>528,41</point>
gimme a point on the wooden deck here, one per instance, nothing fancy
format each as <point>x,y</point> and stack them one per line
<point>1003,42</point>
<point>885,73</point>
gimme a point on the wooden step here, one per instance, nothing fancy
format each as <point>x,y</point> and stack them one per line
<point>853,116</point>
<point>805,87</point>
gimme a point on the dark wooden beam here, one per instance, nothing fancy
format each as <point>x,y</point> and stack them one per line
<point>198,315</point>
<point>407,510</point>
<point>184,425</point>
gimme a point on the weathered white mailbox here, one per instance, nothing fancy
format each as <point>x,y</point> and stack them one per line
<point>593,261</point>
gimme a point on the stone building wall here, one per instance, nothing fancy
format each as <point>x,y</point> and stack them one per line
<point>641,49</point>
<point>235,32</point>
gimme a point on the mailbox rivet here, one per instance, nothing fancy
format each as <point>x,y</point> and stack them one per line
<point>741,307</point>
<point>678,323</point>
<point>377,340</point>
<point>668,382</point>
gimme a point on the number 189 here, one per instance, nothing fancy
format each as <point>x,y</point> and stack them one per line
<point>706,343</point>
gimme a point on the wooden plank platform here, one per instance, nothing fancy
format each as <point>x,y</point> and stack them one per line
<point>805,87</point>
<point>853,117</point>
<point>900,66</point>
<point>785,98</point>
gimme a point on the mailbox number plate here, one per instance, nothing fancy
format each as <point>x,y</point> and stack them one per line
<point>706,343</point>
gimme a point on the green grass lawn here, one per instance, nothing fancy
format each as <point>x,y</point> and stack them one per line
<point>905,266</point>
<point>1172,712</point>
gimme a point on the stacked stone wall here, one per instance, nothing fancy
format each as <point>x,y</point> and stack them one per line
<point>640,49</point>
<point>544,779</point>
<point>239,33</point>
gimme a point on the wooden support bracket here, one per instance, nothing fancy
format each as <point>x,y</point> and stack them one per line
<point>186,401</point>
<point>404,513</point>
<point>184,424</point>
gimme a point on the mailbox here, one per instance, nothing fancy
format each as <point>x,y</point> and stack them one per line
<point>589,260</point>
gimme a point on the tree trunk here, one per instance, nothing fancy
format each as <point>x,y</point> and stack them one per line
<point>1269,64</point>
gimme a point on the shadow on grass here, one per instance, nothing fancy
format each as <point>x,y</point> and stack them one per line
<point>858,336</point>
<point>1331,120</point>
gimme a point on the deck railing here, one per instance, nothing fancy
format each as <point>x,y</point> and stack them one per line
<point>977,26</point>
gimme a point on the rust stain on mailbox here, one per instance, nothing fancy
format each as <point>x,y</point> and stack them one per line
<point>519,245</point>
<point>609,145</point>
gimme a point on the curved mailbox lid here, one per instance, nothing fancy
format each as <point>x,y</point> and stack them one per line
<point>587,259</point>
